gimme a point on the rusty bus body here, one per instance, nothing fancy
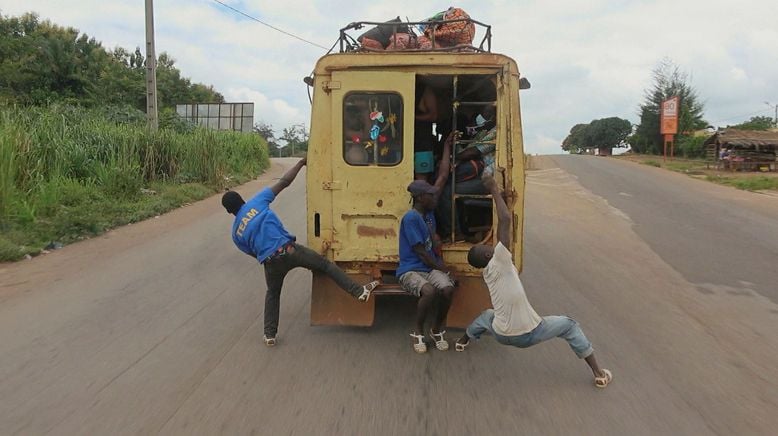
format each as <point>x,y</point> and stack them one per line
<point>356,188</point>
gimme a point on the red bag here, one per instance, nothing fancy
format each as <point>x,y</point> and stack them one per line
<point>401,41</point>
<point>451,34</point>
<point>371,44</point>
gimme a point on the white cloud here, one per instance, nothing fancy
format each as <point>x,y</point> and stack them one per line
<point>586,60</point>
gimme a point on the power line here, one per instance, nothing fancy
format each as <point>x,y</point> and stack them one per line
<point>268,25</point>
<point>741,116</point>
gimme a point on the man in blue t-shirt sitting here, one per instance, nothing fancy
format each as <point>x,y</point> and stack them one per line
<point>421,271</point>
<point>258,232</point>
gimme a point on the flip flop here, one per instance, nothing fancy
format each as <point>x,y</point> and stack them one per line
<point>603,381</point>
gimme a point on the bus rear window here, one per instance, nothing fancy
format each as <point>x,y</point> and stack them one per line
<point>372,129</point>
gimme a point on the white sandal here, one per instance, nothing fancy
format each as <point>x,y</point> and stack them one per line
<point>270,342</point>
<point>419,346</point>
<point>460,346</point>
<point>440,342</point>
<point>603,381</point>
<point>367,289</point>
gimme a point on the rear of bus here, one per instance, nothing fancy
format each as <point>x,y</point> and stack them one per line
<point>356,186</point>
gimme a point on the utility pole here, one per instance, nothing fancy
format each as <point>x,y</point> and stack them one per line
<point>775,120</point>
<point>151,69</point>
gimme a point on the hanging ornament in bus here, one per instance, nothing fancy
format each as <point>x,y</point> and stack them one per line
<point>377,116</point>
<point>390,120</point>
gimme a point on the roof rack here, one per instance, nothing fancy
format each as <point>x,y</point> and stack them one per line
<point>350,44</point>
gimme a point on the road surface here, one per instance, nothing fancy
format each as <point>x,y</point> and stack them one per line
<point>157,327</point>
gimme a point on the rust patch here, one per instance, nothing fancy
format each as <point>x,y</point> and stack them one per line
<point>375,232</point>
<point>380,203</point>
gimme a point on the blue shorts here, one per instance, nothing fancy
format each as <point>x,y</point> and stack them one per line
<point>423,162</point>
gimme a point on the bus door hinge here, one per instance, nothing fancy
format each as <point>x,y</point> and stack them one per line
<point>329,85</point>
<point>333,185</point>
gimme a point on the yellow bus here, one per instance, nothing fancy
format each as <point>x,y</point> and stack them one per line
<point>361,159</point>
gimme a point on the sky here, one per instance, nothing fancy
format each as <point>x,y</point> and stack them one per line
<point>585,59</point>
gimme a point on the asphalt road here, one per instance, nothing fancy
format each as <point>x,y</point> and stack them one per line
<point>156,327</point>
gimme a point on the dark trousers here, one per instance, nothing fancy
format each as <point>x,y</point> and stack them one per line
<point>277,268</point>
<point>443,215</point>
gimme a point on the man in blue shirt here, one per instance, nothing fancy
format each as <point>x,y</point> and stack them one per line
<point>258,232</point>
<point>421,271</point>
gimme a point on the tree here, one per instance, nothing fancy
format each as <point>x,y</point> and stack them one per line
<point>266,131</point>
<point>603,133</point>
<point>41,62</point>
<point>296,137</point>
<point>575,142</point>
<point>755,123</point>
<point>608,133</point>
<point>669,81</point>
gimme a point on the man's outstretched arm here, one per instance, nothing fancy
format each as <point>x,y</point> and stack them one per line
<point>504,215</point>
<point>444,169</point>
<point>289,177</point>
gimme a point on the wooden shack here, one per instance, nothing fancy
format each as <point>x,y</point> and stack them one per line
<point>745,150</point>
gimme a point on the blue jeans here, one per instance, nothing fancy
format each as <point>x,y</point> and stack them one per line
<point>550,327</point>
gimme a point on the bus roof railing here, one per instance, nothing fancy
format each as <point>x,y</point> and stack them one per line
<point>350,44</point>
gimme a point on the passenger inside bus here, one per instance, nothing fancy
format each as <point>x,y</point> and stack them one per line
<point>432,122</point>
<point>423,139</point>
<point>471,161</point>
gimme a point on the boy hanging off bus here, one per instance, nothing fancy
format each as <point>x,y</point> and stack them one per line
<point>258,232</point>
<point>513,321</point>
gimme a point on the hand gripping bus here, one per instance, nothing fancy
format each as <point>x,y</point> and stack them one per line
<point>367,122</point>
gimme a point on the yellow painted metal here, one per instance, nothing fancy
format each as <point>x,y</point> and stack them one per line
<point>359,208</point>
<point>331,306</point>
<point>367,211</point>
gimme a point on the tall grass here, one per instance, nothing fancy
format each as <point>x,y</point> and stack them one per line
<point>57,162</point>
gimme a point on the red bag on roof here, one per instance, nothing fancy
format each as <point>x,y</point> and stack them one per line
<point>401,41</point>
<point>371,44</point>
<point>450,34</point>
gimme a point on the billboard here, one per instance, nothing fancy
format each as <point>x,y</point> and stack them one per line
<point>219,116</point>
<point>668,123</point>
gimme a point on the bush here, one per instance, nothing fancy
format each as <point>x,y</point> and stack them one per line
<point>691,146</point>
<point>66,171</point>
<point>9,250</point>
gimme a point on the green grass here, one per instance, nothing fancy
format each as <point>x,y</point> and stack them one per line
<point>681,166</point>
<point>652,163</point>
<point>747,183</point>
<point>69,173</point>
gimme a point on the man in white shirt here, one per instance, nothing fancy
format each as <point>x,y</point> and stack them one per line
<point>513,321</point>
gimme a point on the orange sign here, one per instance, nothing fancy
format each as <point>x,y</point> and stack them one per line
<point>668,119</point>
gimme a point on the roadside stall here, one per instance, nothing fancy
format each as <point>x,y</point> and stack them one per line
<point>744,150</point>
